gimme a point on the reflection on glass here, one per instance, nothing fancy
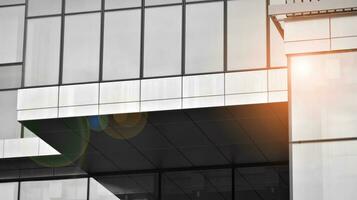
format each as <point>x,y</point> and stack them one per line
<point>81,48</point>
<point>69,189</point>
<point>11,34</point>
<point>121,59</point>
<point>204,37</point>
<point>8,191</point>
<point>205,185</point>
<point>9,127</point>
<point>43,51</point>
<point>262,183</point>
<point>10,76</point>
<point>162,55</point>
<point>126,187</point>
<point>246,34</point>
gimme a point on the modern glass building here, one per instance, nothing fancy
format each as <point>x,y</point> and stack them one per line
<point>178,99</point>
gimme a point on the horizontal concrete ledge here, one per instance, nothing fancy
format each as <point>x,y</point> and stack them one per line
<point>311,6</point>
<point>25,147</point>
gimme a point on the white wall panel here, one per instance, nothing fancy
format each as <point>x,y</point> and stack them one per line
<point>72,95</point>
<point>203,85</point>
<point>170,104</point>
<point>46,113</point>
<point>77,111</point>
<point>117,108</point>
<point>1,148</point>
<point>307,46</point>
<point>281,96</point>
<point>202,102</point>
<point>246,82</point>
<point>116,92</point>
<point>278,79</point>
<point>324,171</point>
<point>9,191</point>
<point>21,147</point>
<point>44,97</point>
<point>161,88</point>
<point>343,26</point>
<point>307,29</point>
<point>244,99</point>
<point>344,43</point>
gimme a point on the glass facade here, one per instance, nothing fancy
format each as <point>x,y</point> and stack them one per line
<point>81,48</point>
<point>204,42</point>
<point>43,51</point>
<point>121,56</point>
<point>121,40</point>
<point>11,34</point>
<point>206,184</point>
<point>9,128</point>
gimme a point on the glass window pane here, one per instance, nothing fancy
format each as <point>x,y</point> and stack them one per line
<point>81,48</point>
<point>82,5</point>
<point>44,7</point>
<point>69,189</point>
<point>113,4</point>
<point>205,184</point>
<point>159,2</point>
<point>246,34</point>
<point>255,183</point>
<point>8,191</point>
<point>11,33</point>
<point>204,37</point>
<point>125,187</point>
<point>10,76</point>
<point>122,45</point>
<point>162,55</point>
<point>9,128</point>
<point>11,2</point>
<point>324,171</point>
<point>42,51</point>
<point>323,93</point>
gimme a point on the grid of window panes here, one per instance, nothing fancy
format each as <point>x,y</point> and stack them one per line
<point>216,184</point>
<point>12,24</point>
<point>83,41</point>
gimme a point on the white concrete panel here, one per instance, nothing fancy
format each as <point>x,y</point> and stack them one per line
<point>307,46</point>
<point>170,104</point>
<point>281,96</point>
<point>278,79</point>
<point>48,113</point>
<point>203,85</point>
<point>77,111</point>
<point>245,99</point>
<point>344,26</point>
<point>44,97</point>
<point>1,148</point>
<point>344,43</point>
<point>277,54</point>
<point>161,88</point>
<point>307,29</point>
<point>324,170</point>
<point>45,149</point>
<point>75,95</point>
<point>201,102</point>
<point>246,82</point>
<point>123,91</point>
<point>23,147</point>
<point>117,108</point>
